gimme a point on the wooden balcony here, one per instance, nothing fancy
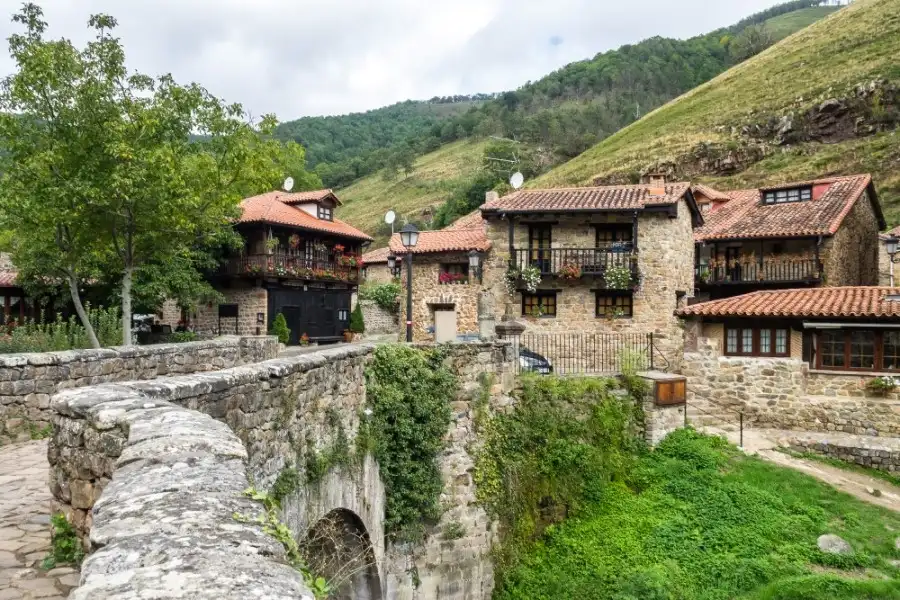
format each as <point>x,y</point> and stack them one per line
<point>765,271</point>
<point>574,263</point>
<point>285,266</point>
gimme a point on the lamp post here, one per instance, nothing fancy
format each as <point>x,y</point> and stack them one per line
<point>392,265</point>
<point>890,244</point>
<point>409,237</point>
<point>475,264</point>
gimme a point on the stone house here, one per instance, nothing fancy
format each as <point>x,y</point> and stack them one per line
<point>798,358</point>
<point>375,266</point>
<point>603,259</point>
<point>814,233</point>
<point>297,259</point>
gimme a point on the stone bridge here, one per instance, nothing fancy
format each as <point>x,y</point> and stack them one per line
<point>153,474</point>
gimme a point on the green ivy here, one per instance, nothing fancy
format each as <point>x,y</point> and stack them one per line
<point>65,547</point>
<point>409,391</point>
<point>382,294</point>
<point>565,441</point>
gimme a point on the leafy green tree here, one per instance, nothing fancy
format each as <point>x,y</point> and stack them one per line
<point>356,320</point>
<point>280,329</point>
<point>750,42</point>
<point>108,173</point>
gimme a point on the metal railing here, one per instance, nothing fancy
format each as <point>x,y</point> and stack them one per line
<point>292,267</point>
<point>574,262</point>
<point>750,272</point>
<point>583,353</point>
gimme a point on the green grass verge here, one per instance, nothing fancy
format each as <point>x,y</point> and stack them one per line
<point>699,520</point>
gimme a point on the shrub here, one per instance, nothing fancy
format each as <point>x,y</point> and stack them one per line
<point>356,320</point>
<point>62,334</point>
<point>384,295</point>
<point>179,337</point>
<point>65,547</point>
<point>280,329</point>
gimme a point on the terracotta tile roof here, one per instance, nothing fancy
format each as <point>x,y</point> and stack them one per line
<point>379,255</point>
<point>612,197</point>
<point>473,220</point>
<point>8,278</point>
<point>869,302</point>
<point>445,240</point>
<point>711,193</point>
<point>894,231</point>
<point>311,196</point>
<point>745,217</point>
<point>268,208</point>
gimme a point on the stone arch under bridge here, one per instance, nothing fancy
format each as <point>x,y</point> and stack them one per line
<point>341,551</point>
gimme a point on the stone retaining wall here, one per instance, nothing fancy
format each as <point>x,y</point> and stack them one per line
<point>172,481</point>
<point>378,320</point>
<point>28,380</point>
<point>865,451</point>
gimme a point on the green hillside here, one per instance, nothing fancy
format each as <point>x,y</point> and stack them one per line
<point>826,100</point>
<point>784,25</point>
<point>435,176</point>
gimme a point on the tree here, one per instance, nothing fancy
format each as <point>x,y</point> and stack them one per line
<point>357,325</point>
<point>107,174</point>
<point>280,329</point>
<point>750,42</point>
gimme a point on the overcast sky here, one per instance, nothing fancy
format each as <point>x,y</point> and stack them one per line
<point>304,57</point>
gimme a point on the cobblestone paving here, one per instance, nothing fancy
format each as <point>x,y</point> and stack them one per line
<point>25,526</point>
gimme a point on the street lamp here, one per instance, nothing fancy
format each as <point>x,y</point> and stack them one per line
<point>475,264</point>
<point>409,236</point>
<point>393,267</point>
<point>890,244</point>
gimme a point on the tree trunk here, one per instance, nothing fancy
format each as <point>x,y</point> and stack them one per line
<point>79,309</point>
<point>126,306</point>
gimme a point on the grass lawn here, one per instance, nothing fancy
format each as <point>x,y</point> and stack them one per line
<point>698,520</point>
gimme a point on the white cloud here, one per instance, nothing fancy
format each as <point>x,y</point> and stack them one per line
<point>299,57</point>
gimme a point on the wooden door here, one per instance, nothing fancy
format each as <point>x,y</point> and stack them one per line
<point>445,325</point>
<point>539,243</point>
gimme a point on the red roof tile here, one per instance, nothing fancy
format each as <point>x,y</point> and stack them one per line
<point>379,255</point>
<point>311,196</point>
<point>746,217</point>
<point>711,193</point>
<point>894,231</point>
<point>445,240</point>
<point>268,208</point>
<point>870,302</point>
<point>613,197</point>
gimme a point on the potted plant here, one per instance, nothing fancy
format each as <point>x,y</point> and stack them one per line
<point>271,244</point>
<point>881,385</point>
<point>304,339</point>
<point>294,241</point>
<point>617,277</point>
<point>348,336</point>
<point>569,271</point>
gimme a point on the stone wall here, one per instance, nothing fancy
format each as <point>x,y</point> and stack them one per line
<point>660,420</point>
<point>378,320</point>
<point>27,381</point>
<point>665,262</point>
<point>251,300</point>
<point>850,257</point>
<point>872,452</point>
<point>783,393</point>
<point>282,409</point>
<point>171,481</point>
<point>884,266</point>
<point>378,273</point>
<point>169,313</point>
<point>429,292</point>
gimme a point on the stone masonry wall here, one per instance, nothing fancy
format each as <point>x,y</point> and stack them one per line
<point>250,300</point>
<point>378,320</point>
<point>172,481</point>
<point>884,266</point>
<point>871,452</point>
<point>783,393</point>
<point>428,292</point>
<point>280,409</point>
<point>27,381</point>
<point>850,257</point>
<point>378,273</point>
<point>665,261</point>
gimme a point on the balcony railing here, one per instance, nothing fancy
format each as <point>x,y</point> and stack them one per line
<point>293,267</point>
<point>571,263</point>
<point>771,271</point>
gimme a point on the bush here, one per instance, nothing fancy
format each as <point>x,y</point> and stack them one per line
<point>180,337</point>
<point>280,329</point>
<point>384,295</point>
<point>62,334</point>
<point>356,320</point>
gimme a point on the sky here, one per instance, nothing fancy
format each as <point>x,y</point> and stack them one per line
<point>300,58</point>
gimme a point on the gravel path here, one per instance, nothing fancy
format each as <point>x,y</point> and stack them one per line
<point>25,526</point>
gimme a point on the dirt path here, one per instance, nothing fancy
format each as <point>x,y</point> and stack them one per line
<point>25,526</point>
<point>763,442</point>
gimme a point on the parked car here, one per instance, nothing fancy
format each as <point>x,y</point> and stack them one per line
<point>533,362</point>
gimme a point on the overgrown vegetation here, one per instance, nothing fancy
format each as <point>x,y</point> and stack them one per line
<point>280,329</point>
<point>181,337</point>
<point>559,450</point>
<point>409,391</point>
<point>65,547</point>
<point>39,433</point>
<point>384,295</point>
<point>62,334</point>
<point>696,519</point>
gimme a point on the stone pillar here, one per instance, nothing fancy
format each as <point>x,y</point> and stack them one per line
<point>664,405</point>
<point>486,321</point>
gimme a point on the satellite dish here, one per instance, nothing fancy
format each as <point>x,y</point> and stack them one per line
<point>516,180</point>
<point>288,184</point>
<point>390,217</point>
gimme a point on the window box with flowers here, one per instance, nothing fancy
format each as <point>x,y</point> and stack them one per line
<point>569,271</point>
<point>620,277</point>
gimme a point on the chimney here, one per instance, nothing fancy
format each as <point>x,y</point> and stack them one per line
<point>656,180</point>
<point>491,196</point>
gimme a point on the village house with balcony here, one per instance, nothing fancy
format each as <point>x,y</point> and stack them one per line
<point>815,233</point>
<point>297,260</point>
<point>602,259</point>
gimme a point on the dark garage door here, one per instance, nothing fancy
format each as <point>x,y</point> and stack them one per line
<point>317,313</point>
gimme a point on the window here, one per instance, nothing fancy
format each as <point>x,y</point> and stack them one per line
<point>539,245</point>
<point>612,234</point>
<point>757,341</point>
<point>613,305</point>
<point>326,213</point>
<point>858,349</point>
<point>788,195</point>
<point>343,315</point>
<point>453,273</point>
<point>539,305</point>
